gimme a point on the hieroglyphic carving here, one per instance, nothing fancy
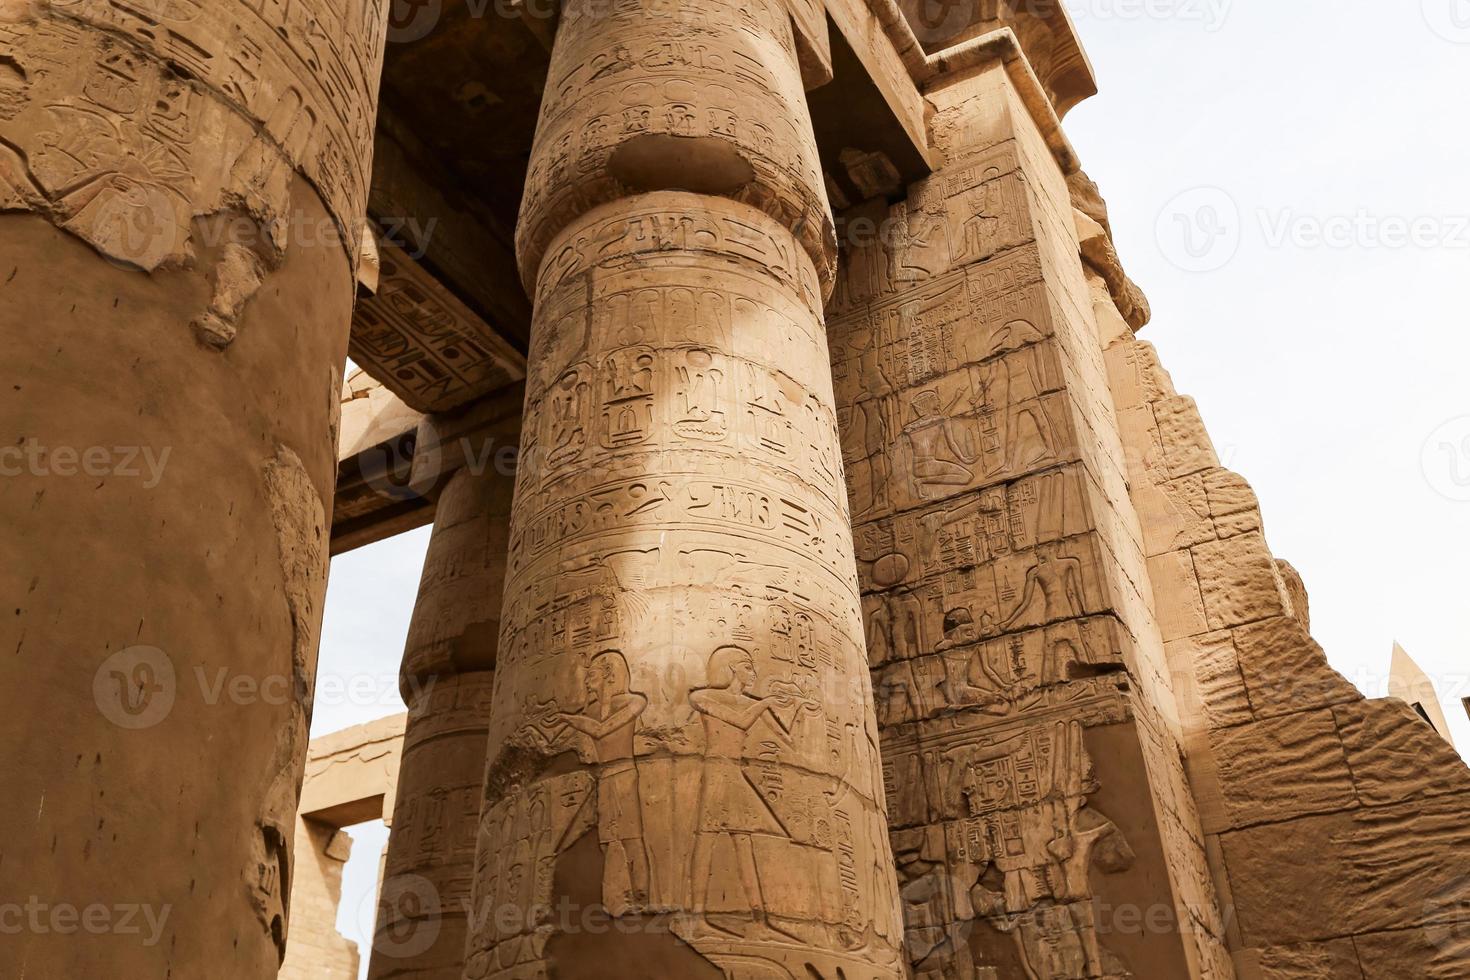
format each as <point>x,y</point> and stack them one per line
<point>436,812</point>
<point>682,615</point>
<point>998,834</point>
<point>425,345</point>
<point>991,600</point>
<point>950,222</point>
<point>117,117</point>
<point>718,75</point>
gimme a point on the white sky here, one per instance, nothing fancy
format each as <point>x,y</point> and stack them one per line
<point>1297,143</point>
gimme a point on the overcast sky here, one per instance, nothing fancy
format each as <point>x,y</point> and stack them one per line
<point>1287,182</point>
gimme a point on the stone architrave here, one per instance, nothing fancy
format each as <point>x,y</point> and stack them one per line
<point>682,735</point>
<point>446,680</point>
<point>182,185</point>
<point>1011,651</point>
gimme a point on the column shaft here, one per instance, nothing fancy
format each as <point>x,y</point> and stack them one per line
<point>682,736</point>
<point>448,672</point>
<point>180,188</point>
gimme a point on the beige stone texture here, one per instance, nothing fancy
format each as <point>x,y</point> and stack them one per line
<point>447,680</point>
<point>1010,636</point>
<point>182,187</point>
<point>316,951</point>
<point>1336,824</point>
<point>350,779</point>
<point>682,734</point>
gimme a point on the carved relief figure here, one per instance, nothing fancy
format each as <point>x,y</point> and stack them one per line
<point>608,720</point>
<point>1057,581</point>
<point>730,806</point>
<point>940,461</point>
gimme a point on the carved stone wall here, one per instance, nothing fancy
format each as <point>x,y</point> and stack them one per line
<point>181,184</point>
<point>350,779</point>
<point>316,950</point>
<point>682,736</point>
<point>1041,822</point>
<point>1338,828</point>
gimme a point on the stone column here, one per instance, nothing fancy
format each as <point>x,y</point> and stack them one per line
<point>682,736</point>
<point>448,670</point>
<point>181,188</point>
<point>1041,822</point>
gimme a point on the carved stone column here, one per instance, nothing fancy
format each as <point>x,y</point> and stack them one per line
<point>182,184</point>
<point>448,671</point>
<point>682,736</point>
<point>1041,822</point>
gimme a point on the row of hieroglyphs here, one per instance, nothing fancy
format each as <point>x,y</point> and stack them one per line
<point>427,346</point>
<point>115,116</point>
<point>990,596</point>
<point>956,385</point>
<point>435,826</point>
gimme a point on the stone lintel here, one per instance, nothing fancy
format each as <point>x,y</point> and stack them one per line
<point>1004,47</point>
<point>1043,28</point>
<point>351,773</point>
<point>393,460</point>
<point>422,342</point>
<point>875,47</point>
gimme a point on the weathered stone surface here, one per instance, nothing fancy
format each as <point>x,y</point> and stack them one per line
<point>1186,445</point>
<point>423,343</point>
<point>1285,670</point>
<point>1437,952</point>
<point>1395,755</point>
<point>1238,582</point>
<point>682,730</point>
<point>1212,669</point>
<point>1283,768</point>
<point>998,573</point>
<point>447,680</point>
<point>1296,592</point>
<point>316,950</point>
<point>1360,871</point>
<point>350,778</point>
<point>182,187</point>
<point>1337,960</point>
